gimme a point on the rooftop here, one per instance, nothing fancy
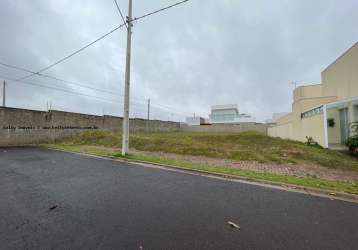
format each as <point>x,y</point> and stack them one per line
<point>227,106</point>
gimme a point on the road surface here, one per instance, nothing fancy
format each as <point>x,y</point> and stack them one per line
<point>58,200</point>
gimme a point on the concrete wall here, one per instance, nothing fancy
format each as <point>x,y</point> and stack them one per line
<point>341,77</point>
<point>236,128</point>
<point>302,106</point>
<point>22,127</point>
<point>313,127</point>
<point>287,118</point>
<point>334,133</point>
<point>283,131</point>
<point>276,116</point>
<point>292,126</point>
<point>308,91</point>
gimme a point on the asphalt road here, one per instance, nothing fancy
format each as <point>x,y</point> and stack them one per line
<point>57,200</point>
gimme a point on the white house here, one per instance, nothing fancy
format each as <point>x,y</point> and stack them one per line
<point>228,114</point>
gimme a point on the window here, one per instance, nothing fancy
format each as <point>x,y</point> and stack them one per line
<point>312,112</point>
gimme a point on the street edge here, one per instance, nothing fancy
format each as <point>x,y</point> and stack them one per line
<point>332,195</point>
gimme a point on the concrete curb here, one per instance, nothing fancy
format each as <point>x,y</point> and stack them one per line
<point>252,181</point>
<point>280,185</point>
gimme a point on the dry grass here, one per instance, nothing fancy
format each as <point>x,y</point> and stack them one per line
<point>247,146</point>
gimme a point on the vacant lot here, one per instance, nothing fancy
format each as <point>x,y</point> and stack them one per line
<point>251,155</point>
<point>247,146</point>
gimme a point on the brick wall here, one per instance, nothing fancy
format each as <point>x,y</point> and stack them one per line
<point>235,128</point>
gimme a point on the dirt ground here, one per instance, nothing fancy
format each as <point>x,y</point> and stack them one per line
<point>282,169</point>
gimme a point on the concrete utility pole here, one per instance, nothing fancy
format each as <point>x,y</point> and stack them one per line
<point>148,117</point>
<point>125,134</point>
<point>4,94</point>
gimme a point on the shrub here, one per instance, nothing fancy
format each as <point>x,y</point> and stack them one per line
<point>311,142</point>
<point>352,144</point>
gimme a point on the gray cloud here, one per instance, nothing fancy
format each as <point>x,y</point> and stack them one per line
<point>187,58</point>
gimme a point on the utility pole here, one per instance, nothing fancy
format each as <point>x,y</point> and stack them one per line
<point>125,134</point>
<point>148,116</point>
<point>4,94</point>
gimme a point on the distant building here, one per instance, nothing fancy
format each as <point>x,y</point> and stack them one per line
<point>228,114</point>
<point>195,121</point>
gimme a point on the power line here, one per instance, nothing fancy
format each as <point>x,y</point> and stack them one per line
<point>72,54</point>
<point>80,84</point>
<point>65,81</point>
<point>16,67</point>
<point>58,89</point>
<point>96,40</point>
<point>170,109</point>
<point>162,107</point>
<point>155,12</point>
<point>58,79</point>
<point>129,22</point>
<point>141,105</point>
<point>120,12</point>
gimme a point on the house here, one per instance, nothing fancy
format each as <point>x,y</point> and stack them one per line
<point>228,114</point>
<point>324,111</point>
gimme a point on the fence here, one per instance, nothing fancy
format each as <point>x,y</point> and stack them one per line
<point>23,127</point>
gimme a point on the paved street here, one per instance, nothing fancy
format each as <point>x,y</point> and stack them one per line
<point>57,200</point>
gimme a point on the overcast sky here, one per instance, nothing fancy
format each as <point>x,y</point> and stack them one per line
<point>187,58</point>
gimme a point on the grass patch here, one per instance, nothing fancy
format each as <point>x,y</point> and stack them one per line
<point>337,186</point>
<point>246,146</point>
